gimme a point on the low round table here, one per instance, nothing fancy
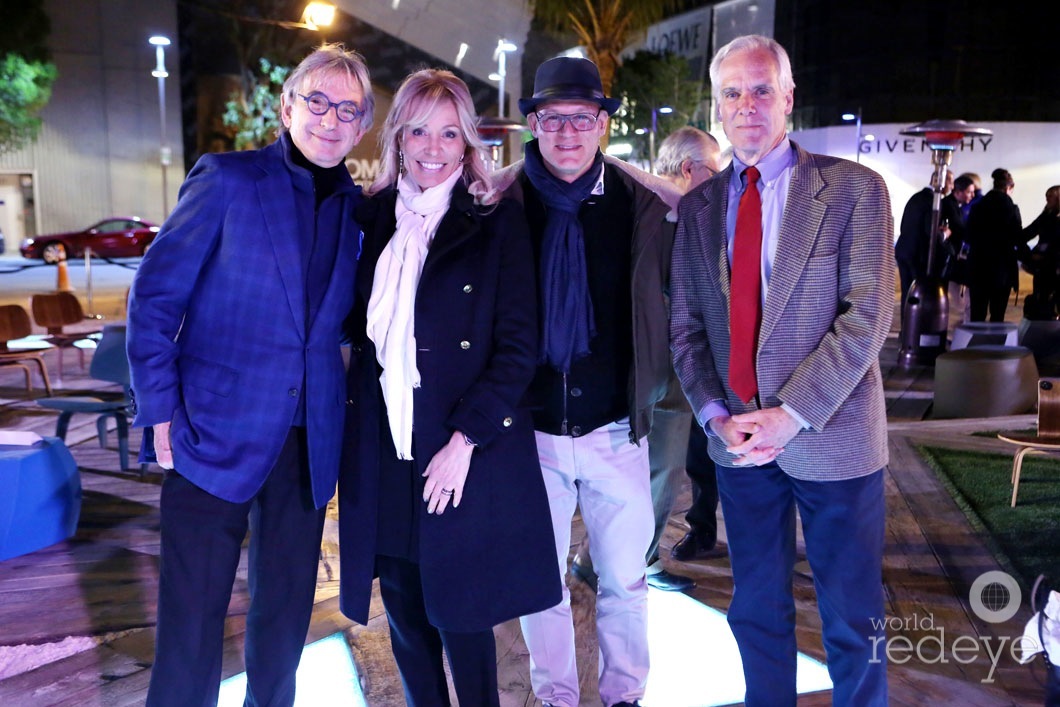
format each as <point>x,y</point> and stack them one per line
<point>1042,337</point>
<point>40,501</point>
<point>1028,444</point>
<point>985,381</point>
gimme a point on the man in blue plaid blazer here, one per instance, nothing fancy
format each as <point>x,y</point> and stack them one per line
<point>235,321</point>
<point>810,433</point>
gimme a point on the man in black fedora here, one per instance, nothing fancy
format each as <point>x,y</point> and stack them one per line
<point>603,260</point>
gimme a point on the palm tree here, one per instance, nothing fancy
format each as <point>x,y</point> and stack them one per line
<point>603,27</point>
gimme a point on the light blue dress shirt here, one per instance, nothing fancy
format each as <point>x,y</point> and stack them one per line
<point>773,183</point>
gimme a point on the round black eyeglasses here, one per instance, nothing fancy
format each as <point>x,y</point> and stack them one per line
<point>319,104</point>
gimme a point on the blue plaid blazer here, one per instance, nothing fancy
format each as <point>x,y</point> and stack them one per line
<point>217,335</point>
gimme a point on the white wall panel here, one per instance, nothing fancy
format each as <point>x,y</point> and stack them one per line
<point>1030,151</point>
<point>98,151</point>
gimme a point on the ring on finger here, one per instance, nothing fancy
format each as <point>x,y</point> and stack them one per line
<point>447,492</point>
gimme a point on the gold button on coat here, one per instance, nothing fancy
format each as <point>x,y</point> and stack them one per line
<point>465,345</point>
<point>467,288</point>
<point>507,422</point>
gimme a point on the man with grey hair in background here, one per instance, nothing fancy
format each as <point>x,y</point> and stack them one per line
<point>687,157</point>
<point>235,318</point>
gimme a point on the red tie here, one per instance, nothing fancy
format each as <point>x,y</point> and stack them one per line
<point>745,305</point>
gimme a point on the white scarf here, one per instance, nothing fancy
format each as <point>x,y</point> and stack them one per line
<point>391,308</point>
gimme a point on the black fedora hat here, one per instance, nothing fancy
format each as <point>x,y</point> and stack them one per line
<point>568,78</point>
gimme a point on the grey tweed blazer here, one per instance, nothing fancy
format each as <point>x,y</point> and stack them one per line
<point>827,313</point>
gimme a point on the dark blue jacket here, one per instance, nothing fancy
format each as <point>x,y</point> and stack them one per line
<point>218,341</point>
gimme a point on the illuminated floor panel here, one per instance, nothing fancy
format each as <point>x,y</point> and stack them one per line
<point>695,663</point>
<point>327,677</point>
<point>694,658</point>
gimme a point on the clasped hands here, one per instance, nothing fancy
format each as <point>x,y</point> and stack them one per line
<point>756,437</point>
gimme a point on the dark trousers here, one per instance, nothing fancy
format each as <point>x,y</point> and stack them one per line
<point>418,645</point>
<point>843,523</point>
<point>702,516</point>
<point>984,297</point>
<point>906,275</point>
<point>201,540</point>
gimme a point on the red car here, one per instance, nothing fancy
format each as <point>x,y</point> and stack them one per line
<point>120,237</point>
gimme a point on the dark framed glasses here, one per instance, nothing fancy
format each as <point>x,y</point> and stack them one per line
<point>705,166</point>
<point>553,122</point>
<point>319,104</point>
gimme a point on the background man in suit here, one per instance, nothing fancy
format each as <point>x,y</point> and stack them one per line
<point>954,253</point>
<point>994,234</point>
<point>687,157</point>
<point>234,342</point>
<point>914,237</point>
<point>791,252</point>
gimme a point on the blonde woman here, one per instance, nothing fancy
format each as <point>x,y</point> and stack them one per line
<point>441,483</point>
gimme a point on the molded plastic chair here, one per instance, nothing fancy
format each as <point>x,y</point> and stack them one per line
<point>109,363</point>
<point>14,324</point>
<point>55,310</point>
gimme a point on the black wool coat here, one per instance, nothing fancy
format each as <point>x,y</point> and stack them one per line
<point>494,557</point>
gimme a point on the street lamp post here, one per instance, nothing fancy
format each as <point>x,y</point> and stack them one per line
<point>500,54</point>
<point>651,134</point>
<point>164,153</point>
<point>857,135</point>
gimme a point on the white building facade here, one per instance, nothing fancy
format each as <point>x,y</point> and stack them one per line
<point>98,153</point>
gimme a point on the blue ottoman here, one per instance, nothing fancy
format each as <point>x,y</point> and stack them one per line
<point>40,496</point>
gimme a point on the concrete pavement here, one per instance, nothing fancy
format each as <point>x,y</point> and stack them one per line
<point>104,295</point>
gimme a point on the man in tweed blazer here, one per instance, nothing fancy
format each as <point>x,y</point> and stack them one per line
<point>814,434</point>
<point>235,319</point>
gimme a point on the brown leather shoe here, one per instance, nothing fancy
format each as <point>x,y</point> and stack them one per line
<point>690,548</point>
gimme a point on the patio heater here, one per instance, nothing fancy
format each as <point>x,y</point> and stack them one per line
<point>494,131</point>
<point>925,308</point>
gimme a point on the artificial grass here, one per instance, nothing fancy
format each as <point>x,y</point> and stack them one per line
<point>1025,539</point>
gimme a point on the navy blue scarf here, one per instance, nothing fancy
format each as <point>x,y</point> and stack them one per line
<point>566,307</point>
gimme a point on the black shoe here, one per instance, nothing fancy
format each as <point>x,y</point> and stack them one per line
<point>634,703</point>
<point>669,582</point>
<point>584,574</point>
<point>690,548</point>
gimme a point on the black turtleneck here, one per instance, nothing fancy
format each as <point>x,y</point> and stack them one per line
<point>321,218</point>
<point>325,179</point>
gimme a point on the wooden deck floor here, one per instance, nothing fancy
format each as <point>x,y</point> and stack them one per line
<point>94,595</point>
